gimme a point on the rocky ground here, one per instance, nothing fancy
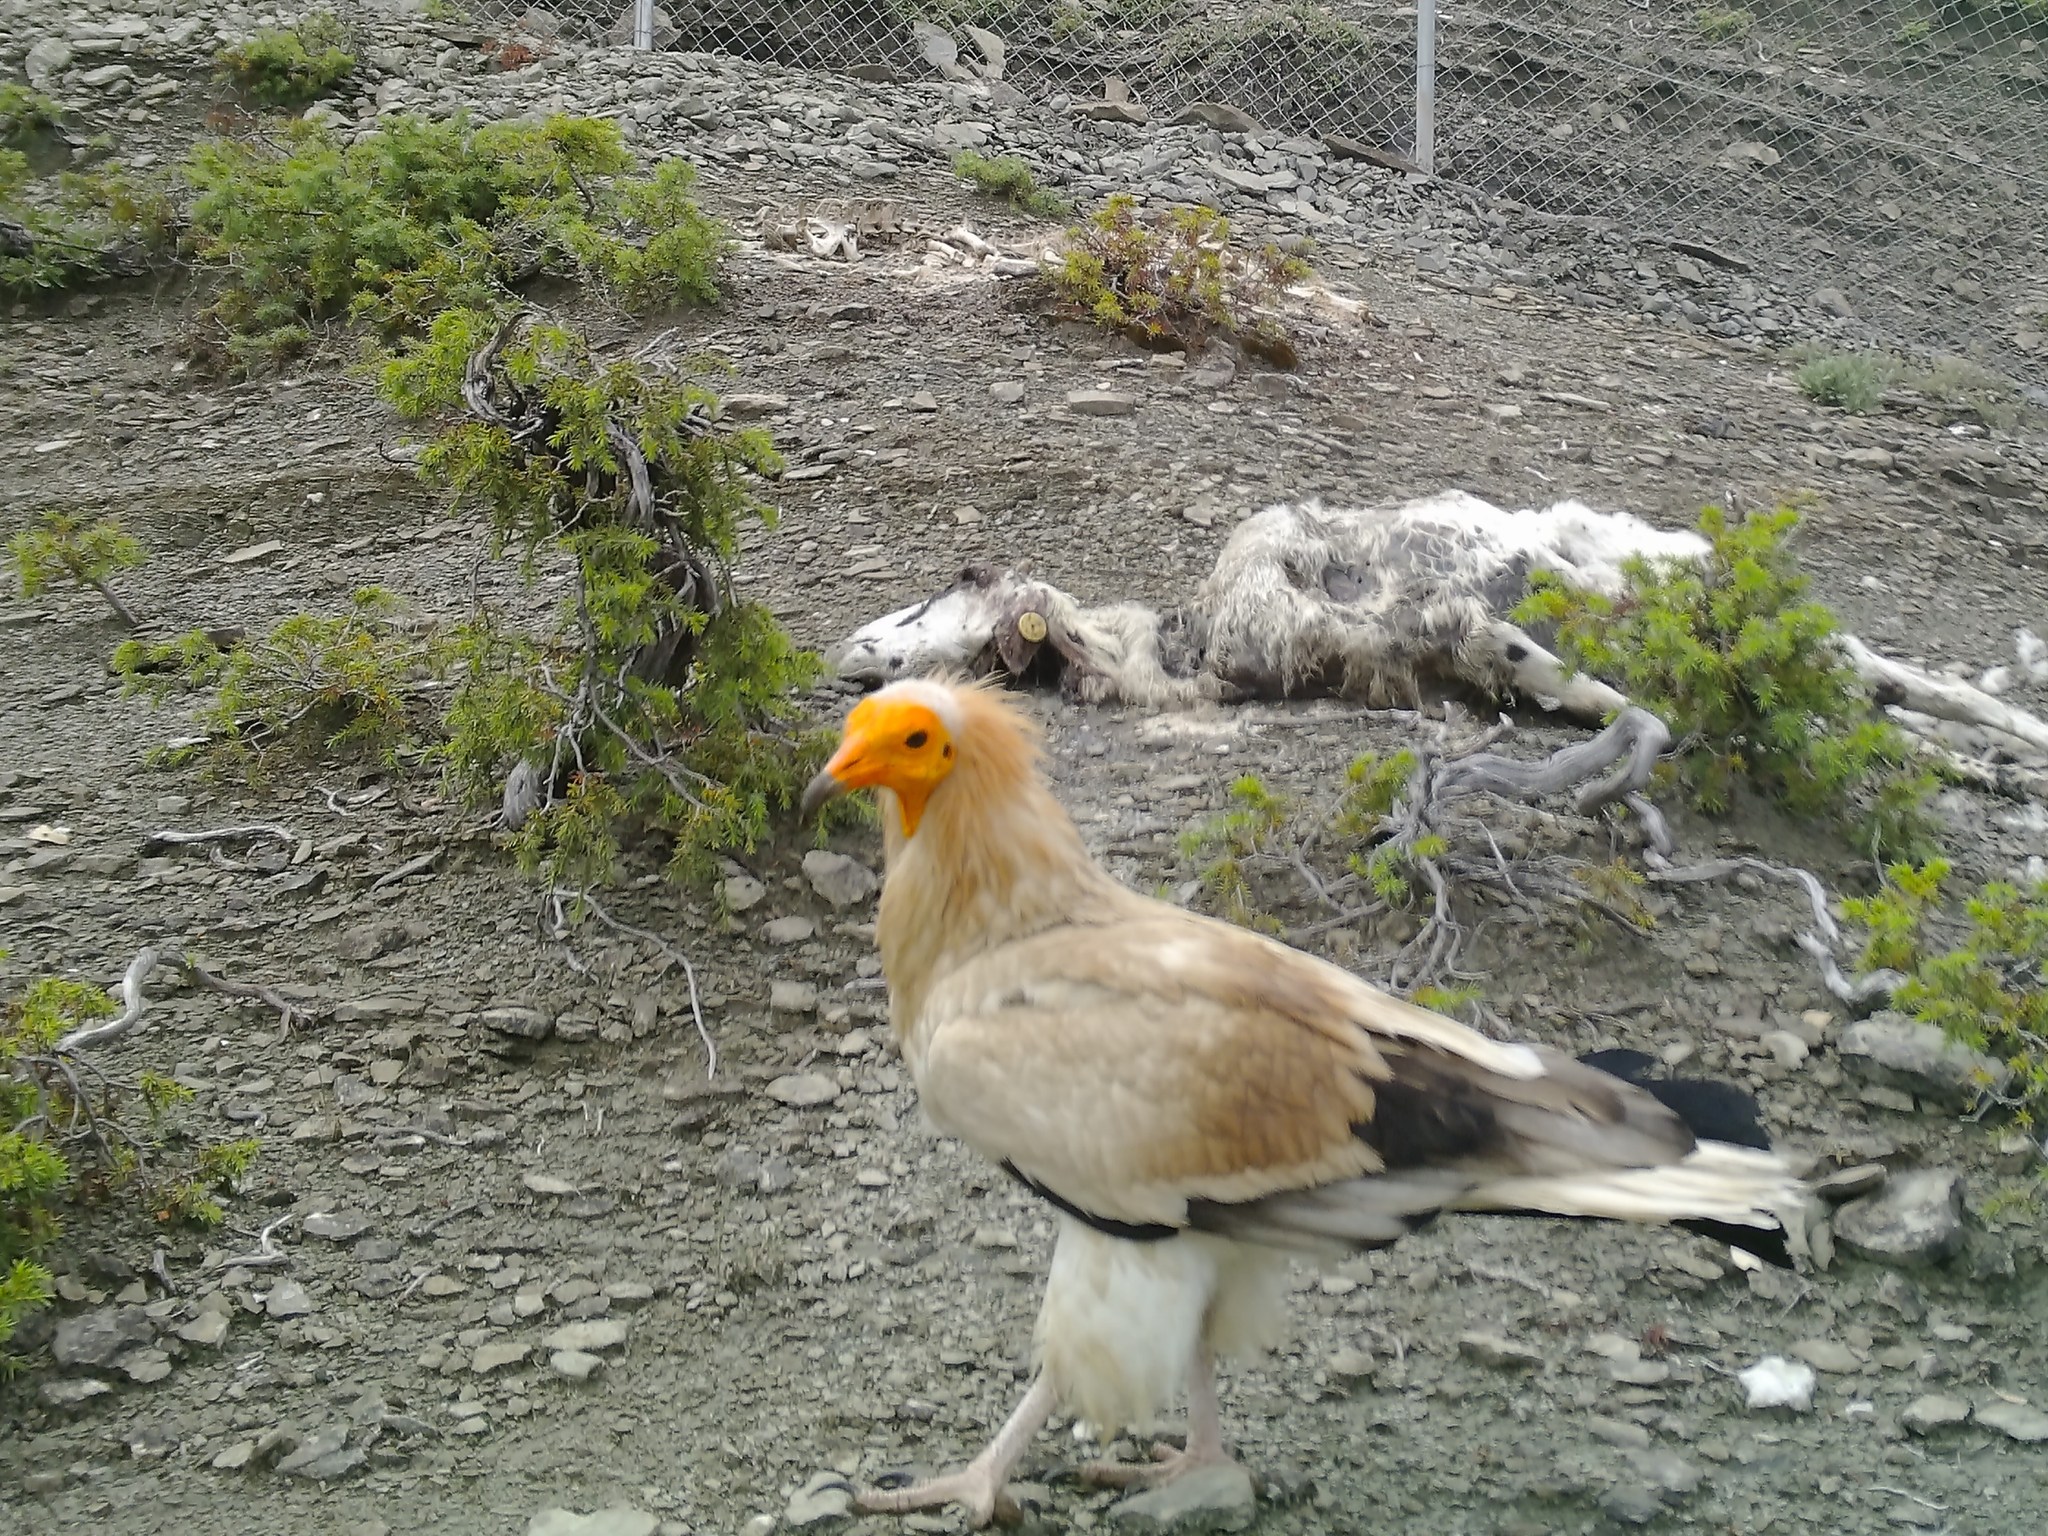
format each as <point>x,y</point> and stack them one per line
<point>531,1257</point>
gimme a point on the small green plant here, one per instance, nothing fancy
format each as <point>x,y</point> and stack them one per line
<point>1743,667</point>
<point>1913,32</point>
<point>1221,846</point>
<point>1847,381</point>
<point>57,547</point>
<point>192,1199</point>
<point>1009,178</point>
<point>290,68</point>
<point>1990,991</point>
<point>66,1137</point>
<point>1721,24</point>
<point>659,699</point>
<point>25,114</point>
<point>1373,788</point>
<point>314,685</point>
<point>81,227</point>
<point>1372,785</point>
<point>424,216</point>
<point>1447,1000</point>
<point>1175,281</point>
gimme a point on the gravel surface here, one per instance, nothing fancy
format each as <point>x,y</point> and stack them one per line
<point>543,1275</point>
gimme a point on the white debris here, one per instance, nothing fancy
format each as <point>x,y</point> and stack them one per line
<point>1775,1382</point>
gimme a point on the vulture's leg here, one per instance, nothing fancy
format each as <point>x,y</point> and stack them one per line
<point>978,1486</point>
<point>1204,1445</point>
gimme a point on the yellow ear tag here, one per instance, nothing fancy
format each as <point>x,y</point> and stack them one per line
<point>1031,626</point>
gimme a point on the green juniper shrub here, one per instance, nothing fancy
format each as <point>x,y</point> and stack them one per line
<point>1990,991</point>
<point>58,547</point>
<point>290,67</point>
<point>1848,381</point>
<point>70,1137</point>
<point>1373,787</point>
<point>1009,178</point>
<point>64,232</point>
<point>1743,667</point>
<point>313,686</point>
<point>660,699</point>
<point>425,215</point>
<point>1723,24</point>
<point>25,115</point>
<point>1176,280</point>
<point>1222,846</point>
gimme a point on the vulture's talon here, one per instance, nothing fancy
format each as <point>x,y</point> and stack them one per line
<point>1167,1464</point>
<point>976,1491</point>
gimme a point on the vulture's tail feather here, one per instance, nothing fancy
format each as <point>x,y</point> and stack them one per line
<point>1730,1187</point>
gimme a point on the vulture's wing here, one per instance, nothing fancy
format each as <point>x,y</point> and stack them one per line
<point>1167,1069</point>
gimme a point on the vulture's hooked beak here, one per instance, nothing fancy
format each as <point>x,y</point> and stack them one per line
<point>825,786</point>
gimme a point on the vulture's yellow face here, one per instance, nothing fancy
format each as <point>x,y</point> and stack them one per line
<point>892,740</point>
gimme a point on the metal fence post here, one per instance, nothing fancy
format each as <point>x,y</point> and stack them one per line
<point>643,25</point>
<point>1425,85</point>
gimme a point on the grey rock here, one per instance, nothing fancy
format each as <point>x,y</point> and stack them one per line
<point>1617,1432</point>
<point>1215,114</point>
<point>497,1354</point>
<point>1832,301</point>
<point>287,1298</point>
<point>1897,1052</point>
<point>620,33</point>
<point>575,1364</point>
<point>1916,1219</point>
<point>1101,402</point>
<point>739,893</point>
<point>2018,1420</point>
<point>792,997</point>
<point>826,1499</point>
<point>1897,1292</point>
<point>1936,1411</point>
<point>1498,1350</point>
<point>520,1022</point>
<point>1827,1355</point>
<point>144,1365</point>
<point>209,1330</point>
<point>789,930</point>
<point>73,1392</point>
<point>50,57</point>
<point>1633,1503</point>
<point>843,881</point>
<point>620,1520</point>
<point>804,1090</point>
<point>746,407</point>
<point>335,1226</point>
<point>937,46</point>
<point>323,1457</point>
<point>101,1336</point>
<point>1214,1498</point>
<point>235,1457</point>
<point>1666,1470</point>
<point>1351,1365</point>
<point>1850,1183</point>
<point>593,1337</point>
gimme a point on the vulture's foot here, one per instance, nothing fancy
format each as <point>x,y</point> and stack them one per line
<point>1167,1463</point>
<point>976,1488</point>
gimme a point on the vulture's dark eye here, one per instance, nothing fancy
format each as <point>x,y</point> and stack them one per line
<point>916,740</point>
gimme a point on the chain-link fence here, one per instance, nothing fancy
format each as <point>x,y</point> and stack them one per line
<point>1891,151</point>
<point>1882,159</point>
